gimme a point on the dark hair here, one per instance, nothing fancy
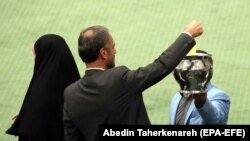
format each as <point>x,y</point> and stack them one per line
<point>89,44</point>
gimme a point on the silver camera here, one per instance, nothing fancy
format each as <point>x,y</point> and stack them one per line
<point>193,73</point>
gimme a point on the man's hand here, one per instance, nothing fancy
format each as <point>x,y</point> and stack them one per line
<point>199,99</point>
<point>194,28</point>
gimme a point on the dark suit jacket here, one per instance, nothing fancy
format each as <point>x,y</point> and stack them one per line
<point>114,96</point>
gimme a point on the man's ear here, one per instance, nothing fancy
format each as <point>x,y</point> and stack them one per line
<point>103,53</point>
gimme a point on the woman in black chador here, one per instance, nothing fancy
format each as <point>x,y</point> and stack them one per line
<point>40,118</point>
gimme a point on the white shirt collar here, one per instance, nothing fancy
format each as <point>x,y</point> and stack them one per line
<point>95,69</point>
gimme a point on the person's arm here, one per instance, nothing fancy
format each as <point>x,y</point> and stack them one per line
<point>200,99</point>
<point>214,110</point>
<point>144,77</point>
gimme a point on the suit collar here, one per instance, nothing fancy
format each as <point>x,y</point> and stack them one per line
<point>95,69</point>
<point>92,71</point>
<point>209,86</point>
<point>177,98</point>
<point>190,109</point>
<point>175,106</point>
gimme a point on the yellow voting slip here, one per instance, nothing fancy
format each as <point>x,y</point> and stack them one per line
<point>192,52</point>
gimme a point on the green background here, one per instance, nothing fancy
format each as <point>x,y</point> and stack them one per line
<point>141,30</point>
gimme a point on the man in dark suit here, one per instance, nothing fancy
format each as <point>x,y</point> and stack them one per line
<point>113,95</point>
